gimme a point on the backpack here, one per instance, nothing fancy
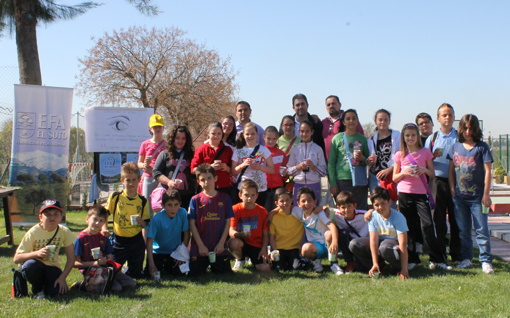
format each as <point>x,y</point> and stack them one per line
<point>98,280</point>
<point>434,137</point>
<point>19,284</point>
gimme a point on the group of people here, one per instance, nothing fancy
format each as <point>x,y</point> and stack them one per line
<point>253,194</point>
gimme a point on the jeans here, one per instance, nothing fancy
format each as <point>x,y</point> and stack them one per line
<point>42,276</point>
<point>467,212</point>
<point>360,247</point>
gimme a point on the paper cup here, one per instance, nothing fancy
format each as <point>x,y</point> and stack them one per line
<point>133,219</point>
<point>375,275</point>
<point>52,251</point>
<point>96,252</point>
<point>283,171</point>
<point>246,228</point>
<point>157,275</point>
<point>440,151</point>
<point>331,257</point>
<point>178,183</point>
<point>276,255</point>
<point>217,161</point>
<point>212,257</point>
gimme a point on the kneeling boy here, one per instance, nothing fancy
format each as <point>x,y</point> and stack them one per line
<point>252,243</point>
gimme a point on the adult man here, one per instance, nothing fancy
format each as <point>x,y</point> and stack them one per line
<point>300,106</point>
<point>332,125</point>
<point>425,124</point>
<point>440,143</point>
<point>243,113</point>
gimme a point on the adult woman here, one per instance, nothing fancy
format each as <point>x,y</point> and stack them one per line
<point>173,166</point>
<point>228,124</point>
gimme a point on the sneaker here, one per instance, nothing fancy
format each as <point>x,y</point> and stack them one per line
<point>296,264</point>
<point>335,268</point>
<point>465,264</point>
<point>487,268</point>
<point>440,266</point>
<point>350,267</point>
<point>317,266</point>
<point>419,248</point>
<point>411,266</point>
<point>248,261</point>
<point>238,265</point>
<point>40,295</point>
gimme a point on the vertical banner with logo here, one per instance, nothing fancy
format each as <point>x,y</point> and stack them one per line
<point>40,148</point>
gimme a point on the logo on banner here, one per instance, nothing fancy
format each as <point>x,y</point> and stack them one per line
<point>25,124</point>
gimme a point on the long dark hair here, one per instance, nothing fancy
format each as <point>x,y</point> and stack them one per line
<point>342,127</point>
<point>231,138</point>
<point>280,132</point>
<point>188,149</point>
<point>476,132</point>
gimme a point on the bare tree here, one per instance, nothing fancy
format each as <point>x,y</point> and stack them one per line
<point>160,69</point>
<point>369,129</point>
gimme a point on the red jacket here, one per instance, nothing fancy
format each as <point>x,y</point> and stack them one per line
<point>279,159</point>
<point>206,154</point>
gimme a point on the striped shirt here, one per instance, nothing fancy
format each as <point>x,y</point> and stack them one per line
<point>85,242</point>
<point>210,215</point>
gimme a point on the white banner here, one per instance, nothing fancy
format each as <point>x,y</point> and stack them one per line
<point>116,129</point>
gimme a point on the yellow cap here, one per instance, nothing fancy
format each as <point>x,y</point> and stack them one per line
<point>156,120</point>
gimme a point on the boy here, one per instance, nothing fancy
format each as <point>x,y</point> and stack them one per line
<point>440,144</point>
<point>388,237</point>
<point>167,229</point>
<point>252,244</point>
<point>351,224</point>
<point>91,238</point>
<point>128,236</point>
<point>286,232</point>
<point>38,252</point>
<point>321,233</point>
<point>209,217</point>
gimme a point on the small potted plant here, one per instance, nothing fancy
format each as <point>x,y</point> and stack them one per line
<point>500,174</point>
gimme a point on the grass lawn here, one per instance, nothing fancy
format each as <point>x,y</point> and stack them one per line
<point>468,293</point>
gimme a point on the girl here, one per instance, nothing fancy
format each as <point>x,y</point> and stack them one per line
<point>275,180</point>
<point>288,139</point>
<point>338,166</point>
<point>218,155</point>
<point>307,163</point>
<point>470,179</point>
<point>149,151</point>
<point>228,124</point>
<point>411,162</point>
<point>382,146</point>
<point>257,164</point>
<point>178,145</point>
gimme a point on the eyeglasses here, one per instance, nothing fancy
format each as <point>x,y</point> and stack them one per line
<point>423,123</point>
<point>330,128</point>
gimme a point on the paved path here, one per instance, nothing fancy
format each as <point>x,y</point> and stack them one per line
<point>500,241</point>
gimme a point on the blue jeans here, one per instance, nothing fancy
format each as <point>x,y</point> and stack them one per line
<point>466,213</point>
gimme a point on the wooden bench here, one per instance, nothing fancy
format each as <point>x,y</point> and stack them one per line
<point>9,238</point>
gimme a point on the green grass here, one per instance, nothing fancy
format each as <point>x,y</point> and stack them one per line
<point>247,293</point>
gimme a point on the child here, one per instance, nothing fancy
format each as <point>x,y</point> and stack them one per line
<point>91,238</point>
<point>149,151</point>
<point>412,163</point>
<point>252,243</point>
<point>274,180</point>
<point>388,237</point>
<point>38,252</point>
<point>128,236</point>
<point>470,179</point>
<point>209,221</point>
<point>286,232</point>
<point>340,176</point>
<point>166,230</point>
<point>307,163</point>
<point>254,162</point>
<point>351,224</point>
<point>321,233</point>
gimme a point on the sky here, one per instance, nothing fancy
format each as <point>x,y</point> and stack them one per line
<point>404,56</point>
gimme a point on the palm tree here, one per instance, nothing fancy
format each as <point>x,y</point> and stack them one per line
<point>22,16</point>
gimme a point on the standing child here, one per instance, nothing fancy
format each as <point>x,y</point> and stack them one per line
<point>209,217</point>
<point>388,237</point>
<point>412,163</point>
<point>286,232</point>
<point>470,179</point>
<point>38,252</point>
<point>130,214</point>
<point>307,163</point>
<point>91,238</point>
<point>274,180</point>
<point>253,242</point>
<point>149,151</point>
<point>167,231</point>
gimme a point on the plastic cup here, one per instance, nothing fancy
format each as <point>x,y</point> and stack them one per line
<point>440,151</point>
<point>331,257</point>
<point>178,183</point>
<point>52,251</point>
<point>375,275</point>
<point>276,255</point>
<point>96,252</point>
<point>283,171</point>
<point>133,219</point>
<point>212,257</point>
<point>157,275</point>
<point>217,161</point>
<point>246,228</point>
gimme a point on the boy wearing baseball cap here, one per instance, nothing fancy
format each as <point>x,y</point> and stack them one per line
<point>38,252</point>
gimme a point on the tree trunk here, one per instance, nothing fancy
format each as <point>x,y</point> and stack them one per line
<point>26,42</point>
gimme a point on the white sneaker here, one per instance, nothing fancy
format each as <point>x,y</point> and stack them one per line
<point>40,295</point>
<point>465,264</point>
<point>419,248</point>
<point>335,268</point>
<point>317,266</point>
<point>487,268</point>
<point>411,266</point>
<point>296,263</point>
<point>238,265</point>
<point>440,266</point>
<point>248,260</point>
